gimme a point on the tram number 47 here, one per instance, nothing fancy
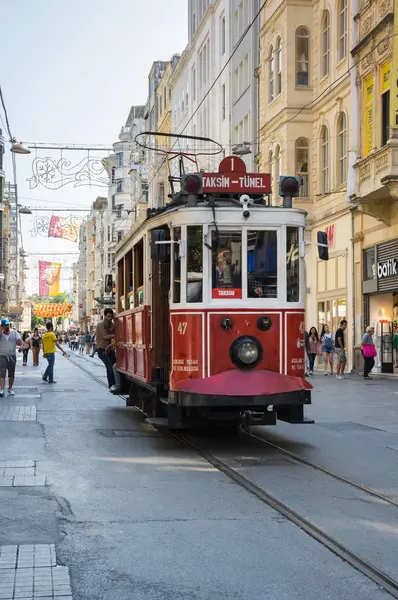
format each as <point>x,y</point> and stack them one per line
<point>182,327</point>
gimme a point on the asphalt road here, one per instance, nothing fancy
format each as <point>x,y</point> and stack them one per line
<point>134,515</point>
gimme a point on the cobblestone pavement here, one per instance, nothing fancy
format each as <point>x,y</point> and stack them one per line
<point>17,413</point>
<point>28,572</point>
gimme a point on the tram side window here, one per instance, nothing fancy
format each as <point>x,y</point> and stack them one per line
<point>194,263</point>
<point>177,265</point>
<point>262,264</point>
<point>226,264</point>
<point>120,286</point>
<point>292,265</point>
<point>139,274</point>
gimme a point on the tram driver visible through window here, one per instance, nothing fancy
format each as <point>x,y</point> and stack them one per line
<point>227,264</point>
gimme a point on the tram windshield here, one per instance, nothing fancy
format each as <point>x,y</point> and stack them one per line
<point>227,264</point>
<point>262,279</point>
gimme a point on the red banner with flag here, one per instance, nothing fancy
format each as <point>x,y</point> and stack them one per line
<point>66,228</point>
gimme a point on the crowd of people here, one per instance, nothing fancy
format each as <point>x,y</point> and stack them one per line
<point>332,347</point>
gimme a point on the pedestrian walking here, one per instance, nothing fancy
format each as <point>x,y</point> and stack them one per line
<point>327,348</point>
<point>313,348</point>
<point>87,342</point>
<point>340,349</point>
<point>93,347</point>
<point>307,350</point>
<point>81,342</point>
<point>9,340</point>
<point>368,352</point>
<point>104,336</point>
<point>35,342</point>
<point>25,347</point>
<point>72,341</point>
<point>50,344</point>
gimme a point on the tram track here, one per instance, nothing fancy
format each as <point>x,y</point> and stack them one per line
<point>378,576</point>
<point>304,461</point>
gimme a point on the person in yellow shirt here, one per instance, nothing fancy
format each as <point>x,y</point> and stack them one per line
<point>50,344</point>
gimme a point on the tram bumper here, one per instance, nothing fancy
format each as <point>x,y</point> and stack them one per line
<point>247,391</point>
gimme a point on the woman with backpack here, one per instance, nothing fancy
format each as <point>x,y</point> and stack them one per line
<point>327,348</point>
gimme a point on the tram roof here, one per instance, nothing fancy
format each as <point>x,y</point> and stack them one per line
<point>227,214</point>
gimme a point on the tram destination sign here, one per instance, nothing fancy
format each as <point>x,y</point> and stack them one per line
<point>237,183</point>
<point>233,179</point>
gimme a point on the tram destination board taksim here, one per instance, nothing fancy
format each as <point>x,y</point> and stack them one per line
<point>233,179</point>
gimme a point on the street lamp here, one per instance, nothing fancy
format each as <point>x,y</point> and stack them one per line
<point>24,210</point>
<point>241,149</point>
<point>19,147</point>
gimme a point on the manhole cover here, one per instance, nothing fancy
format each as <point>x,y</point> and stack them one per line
<point>349,426</point>
<point>261,462</point>
<point>125,433</point>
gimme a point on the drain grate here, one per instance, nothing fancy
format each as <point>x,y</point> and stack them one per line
<point>349,426</point>
<point>52,389</point>
<point>125,433</point>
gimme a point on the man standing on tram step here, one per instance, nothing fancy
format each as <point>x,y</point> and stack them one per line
<point>340,349</point>
<point>9,340</point>
<point>104,335</point>
<point>49,342</point>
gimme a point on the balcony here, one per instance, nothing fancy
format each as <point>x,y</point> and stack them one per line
<point>377,182</point>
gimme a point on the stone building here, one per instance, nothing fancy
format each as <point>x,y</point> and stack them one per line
<point>306,129</point>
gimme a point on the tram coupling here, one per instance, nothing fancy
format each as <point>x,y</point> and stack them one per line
<point>250,418</point>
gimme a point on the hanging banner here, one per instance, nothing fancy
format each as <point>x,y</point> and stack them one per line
<point>49,278</point>
<point>66,228</point>
<point>53,310</point>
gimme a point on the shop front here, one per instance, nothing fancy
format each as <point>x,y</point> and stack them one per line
<point>380,295</point>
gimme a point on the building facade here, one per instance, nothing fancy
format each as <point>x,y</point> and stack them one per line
<point>375,218</point>
<point>306,129</point>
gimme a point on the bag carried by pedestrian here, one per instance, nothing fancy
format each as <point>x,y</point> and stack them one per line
<point>369,351</point>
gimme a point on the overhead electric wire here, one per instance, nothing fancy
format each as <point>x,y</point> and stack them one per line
<point>208,92</point>
<point>320,97</point>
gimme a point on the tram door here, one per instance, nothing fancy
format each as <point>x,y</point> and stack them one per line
<point>160,310</point>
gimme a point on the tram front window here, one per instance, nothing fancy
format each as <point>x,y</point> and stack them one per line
<point>194,263</point>
<point>262,269</point>
<point>226,264</point>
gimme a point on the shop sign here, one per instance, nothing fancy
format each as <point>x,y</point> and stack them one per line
<point>387,268</point>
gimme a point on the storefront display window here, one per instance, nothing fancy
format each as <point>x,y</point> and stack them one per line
<point>331,312</point>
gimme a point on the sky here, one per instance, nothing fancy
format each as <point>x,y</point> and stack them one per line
<point>70,71</point>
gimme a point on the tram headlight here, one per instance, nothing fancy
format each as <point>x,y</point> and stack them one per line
<point>246,352</point>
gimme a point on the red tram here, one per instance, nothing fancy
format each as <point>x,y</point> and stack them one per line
<point>210,305</point>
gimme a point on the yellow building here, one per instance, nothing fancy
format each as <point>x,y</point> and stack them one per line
<point>375,219</point>
<point>305,129</point>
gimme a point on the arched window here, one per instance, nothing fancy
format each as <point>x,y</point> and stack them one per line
<point>301,154</point>
<point>302,54</point>
<point>341,149</point>
<point>271,74</point>
<point>343,23</point>
<point>325,160</point>
<point>325,43</point>
<point>278,66</point>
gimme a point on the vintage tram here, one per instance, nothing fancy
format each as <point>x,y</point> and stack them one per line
<point>210,305</point>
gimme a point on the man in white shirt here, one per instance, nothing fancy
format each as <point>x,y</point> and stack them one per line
<point>9,340</point>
